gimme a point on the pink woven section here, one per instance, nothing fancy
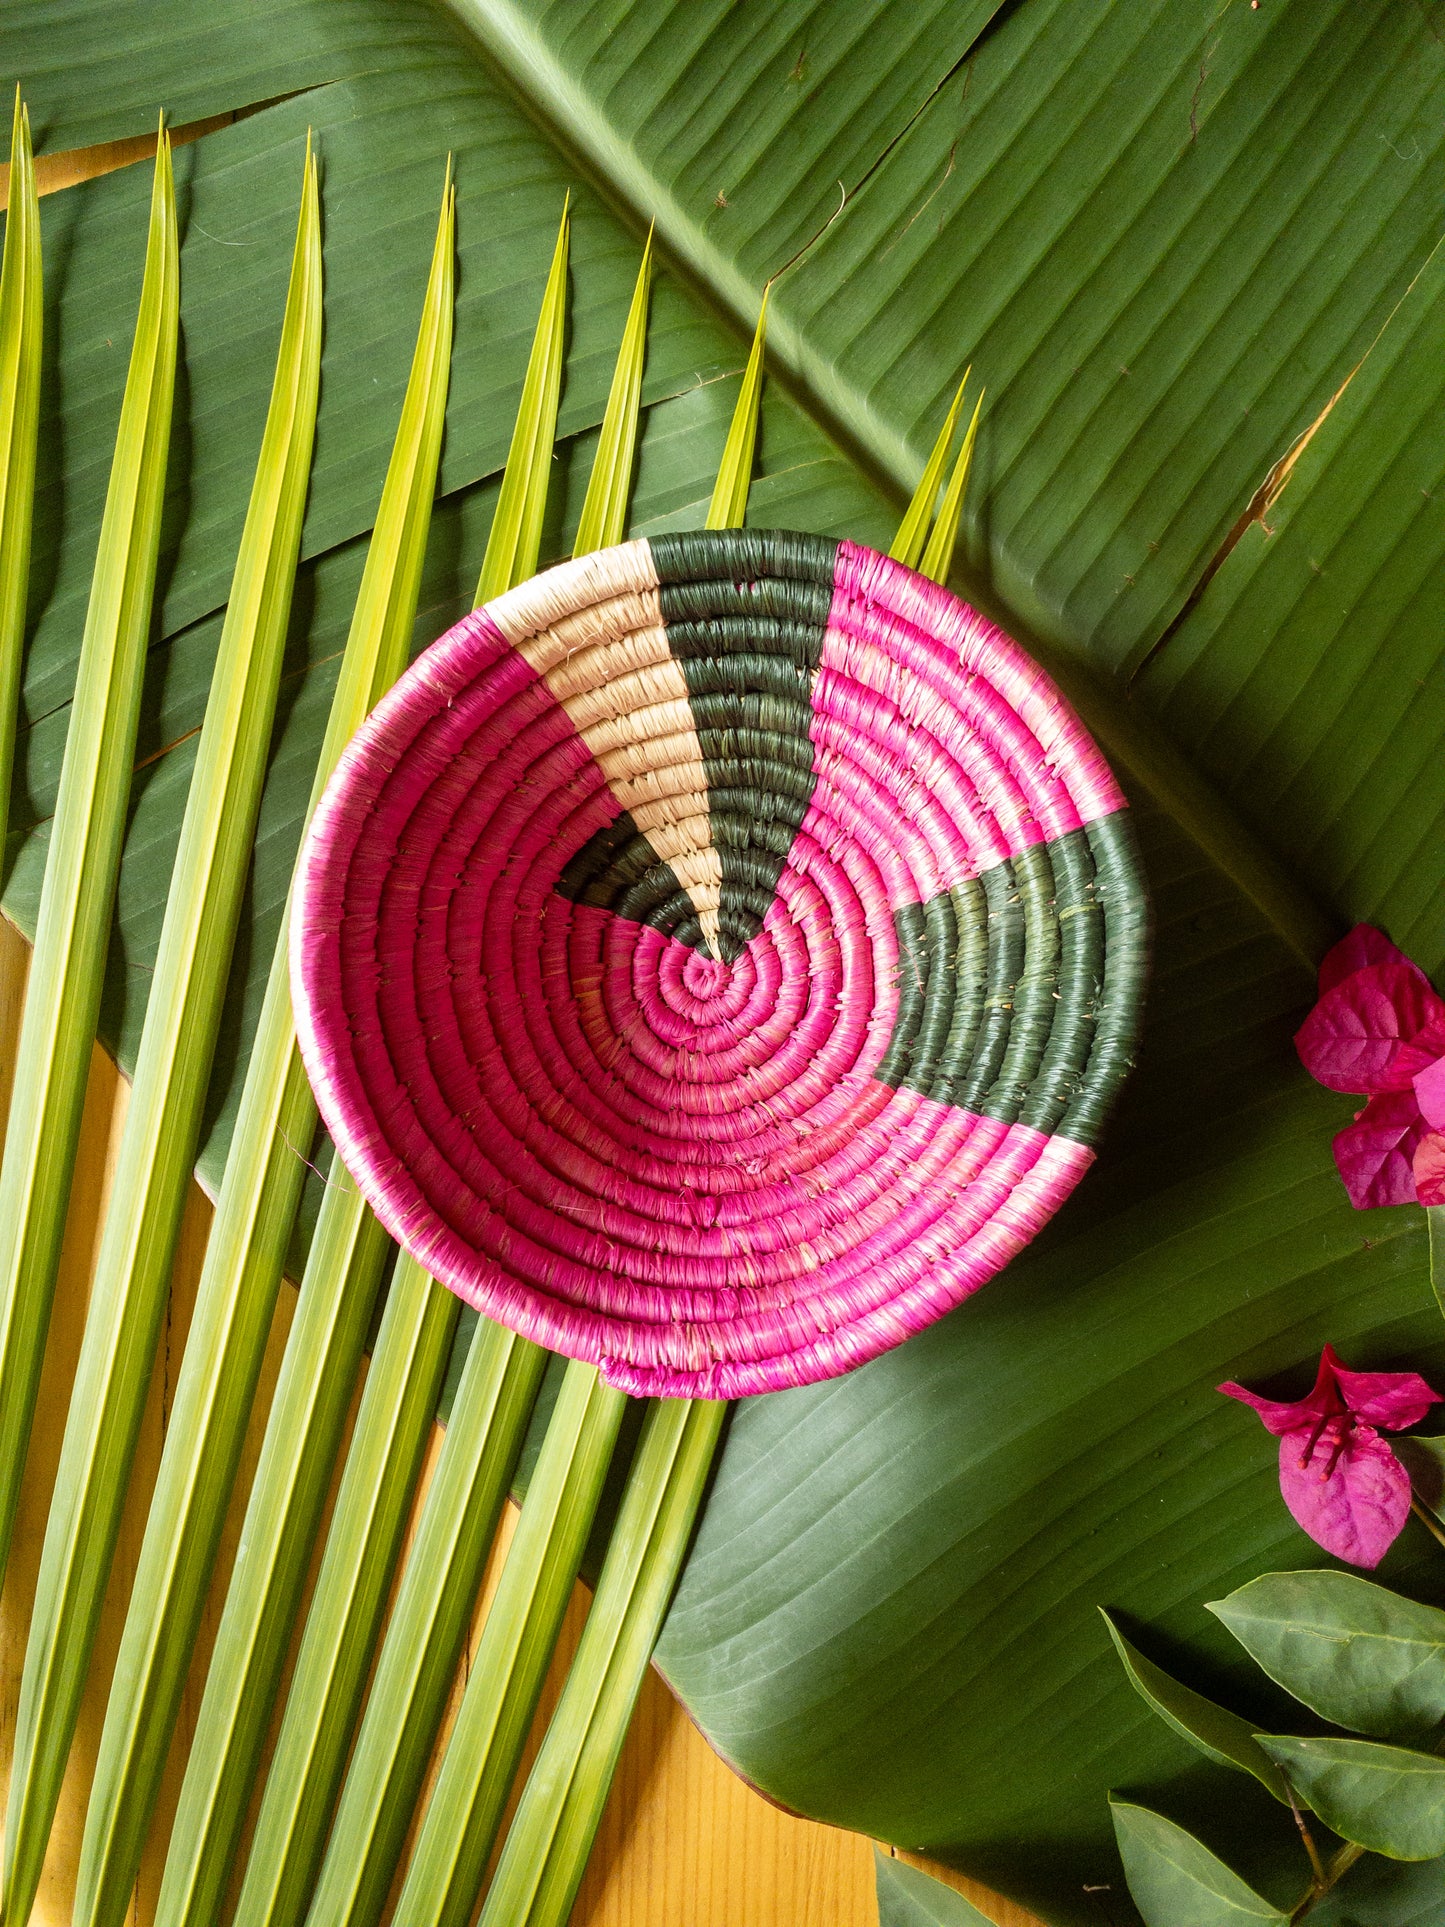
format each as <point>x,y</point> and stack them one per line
<point>917,677</point>
<point>684,1170</point>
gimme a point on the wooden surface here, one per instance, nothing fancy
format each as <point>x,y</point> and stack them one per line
<point>684,1842</point>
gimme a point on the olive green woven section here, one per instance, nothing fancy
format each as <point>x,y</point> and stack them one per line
<point>1019,991</point>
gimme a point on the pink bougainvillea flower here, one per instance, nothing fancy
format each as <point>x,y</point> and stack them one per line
<point>1379,1028</point>
<point>1428,1160</point>
<point>1428,1168</point>
<point>1364,946</point>
<point>1373,1030</point>
<point>1376,1154</point>
<point>1339,1478</point>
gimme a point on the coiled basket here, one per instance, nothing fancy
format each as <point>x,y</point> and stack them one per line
<point>715,957</point>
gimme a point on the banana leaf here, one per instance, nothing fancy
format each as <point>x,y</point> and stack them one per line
<point>1171,241</point>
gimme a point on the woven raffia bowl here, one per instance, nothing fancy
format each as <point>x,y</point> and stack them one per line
<point>716,957</point>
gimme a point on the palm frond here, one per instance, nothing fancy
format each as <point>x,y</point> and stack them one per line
<point>20,336</point>
<point>68,966</point>
<point>428,1626</point>
<point>334,1314</point>
<point>604,510</point>
<point>373,1502</point>
<point>938,555</point>
<point>500,1381</point>
<point>551,1835</point>
<point>541,1567</point>
<point>556,1820</point>
<point>158,1142</point>
<point>918,517</point>
<point>735,473</point>
<point>510,1665</point>
<point>255,1210</point>
<point>343,1272</point>
<point>515,542</point>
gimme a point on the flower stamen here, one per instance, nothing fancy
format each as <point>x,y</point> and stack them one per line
<point>1316,1433</point>
<point>1347,1425</point>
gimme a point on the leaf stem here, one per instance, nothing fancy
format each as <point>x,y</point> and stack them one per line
<point>1321,1880</point>
<point>1423,1515</point>
<point>1341,1862</point>
<point>1326,1878</point>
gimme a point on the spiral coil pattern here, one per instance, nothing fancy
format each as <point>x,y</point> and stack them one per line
<point>715,958</point>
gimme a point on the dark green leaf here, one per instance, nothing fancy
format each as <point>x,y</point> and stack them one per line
<point>1385,1893</point>
<point>1389,1799</point>
<point>909,1898</point>
<point>1162,237</point>
<point>90,85</point>
<point>1424,1460</point>
<point>1220,1735</point>
<point>1328,613</point>
<point>1357,1653</point>
<point>763,125</point>
<point>1164,241</point>
<point>1177,1882</point>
